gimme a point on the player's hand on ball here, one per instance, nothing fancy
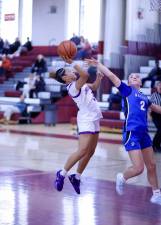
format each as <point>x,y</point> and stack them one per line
<point>67,59</point>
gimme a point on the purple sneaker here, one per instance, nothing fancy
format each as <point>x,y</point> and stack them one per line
<point>59,182</point>
<point>75,182</point>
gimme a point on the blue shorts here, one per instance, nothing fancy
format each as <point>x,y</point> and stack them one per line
<point>134,140</point>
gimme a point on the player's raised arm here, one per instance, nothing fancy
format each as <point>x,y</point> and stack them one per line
<point>83,76</point>
<point>94,86</point>
<point>103,69</point>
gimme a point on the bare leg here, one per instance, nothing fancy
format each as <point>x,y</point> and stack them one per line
<point>137,164</point>
<point>150,164</point>
<point>84,145</point>
<point>84,161</point>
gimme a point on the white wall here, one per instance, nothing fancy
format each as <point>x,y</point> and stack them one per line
<point>73,18</point>
<point>135,26</point>
<point>90,19</point>
<point>47,26</point>
<point>25,20</point>
<point>9,29</point>
<point>114,27</point>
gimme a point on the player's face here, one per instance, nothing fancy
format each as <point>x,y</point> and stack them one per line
<point>134,80</point>
<point>69,76</point>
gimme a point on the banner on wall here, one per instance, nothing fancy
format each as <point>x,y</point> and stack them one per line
<point>9,17</point>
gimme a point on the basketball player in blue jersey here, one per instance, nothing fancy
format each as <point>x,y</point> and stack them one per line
<point>136,139</point>
<point>88,121</point>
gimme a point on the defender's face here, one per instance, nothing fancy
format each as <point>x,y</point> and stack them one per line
<point>134,80</point>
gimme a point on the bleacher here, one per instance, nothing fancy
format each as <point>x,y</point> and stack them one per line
<point>141,48</point>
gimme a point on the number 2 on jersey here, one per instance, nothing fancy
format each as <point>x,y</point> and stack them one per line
<point>142,105</point>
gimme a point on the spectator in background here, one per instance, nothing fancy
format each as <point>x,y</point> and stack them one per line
<point>24,48</point>
<point>28,45</point>
<point>2,71</point>
<point>18,107</point>
<point>154,75</point>
<point>19,85</point>
<point>15,46</point>
<point>39,86</point>
<point>6,47</point>
<point>6,63</point>
<point>1,45</point>
<point>40,65</point>
<point>156,99</point>
<point>85,49</point>
<point>75,39</point>
<point>29,85</point>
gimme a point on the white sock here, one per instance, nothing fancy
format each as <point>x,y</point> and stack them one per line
<point>122,177</point>
<point>157,192</point>
<point>63,172</point>
<point>78,176</point>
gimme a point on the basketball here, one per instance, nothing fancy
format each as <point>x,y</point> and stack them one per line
<point>67,49</point>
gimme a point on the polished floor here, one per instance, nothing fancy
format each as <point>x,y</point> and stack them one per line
<point>30,156</point>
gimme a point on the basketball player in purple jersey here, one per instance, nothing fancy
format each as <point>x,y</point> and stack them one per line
<point>136,139</point>
<point>88,122</point>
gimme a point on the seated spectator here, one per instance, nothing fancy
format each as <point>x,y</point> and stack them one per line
<point>18,107</point>
<point>1,45</point>
<point>28,45</point>
<point>6,47</point>
<point>75,39</point>
<point>20,84</point>
<point>29,85</point>
<point>6,63</point>
<point>40,65</point>
<point>156,99</point>
<point>24,48</point>
<point>154,75</point>
<point>7,66</point>
<point>15,46</point>
<point>2,70</point>
<point>39,86</point>
<point>85,49</point>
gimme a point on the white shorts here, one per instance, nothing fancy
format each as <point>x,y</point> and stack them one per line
<point>89,127</point>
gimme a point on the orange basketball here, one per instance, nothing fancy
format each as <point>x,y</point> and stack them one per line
<point>67,49</point>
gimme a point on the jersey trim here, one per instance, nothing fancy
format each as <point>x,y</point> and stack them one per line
<point>128,137</point>
<point>77,94</point>
<point>126,111</point>
<point>69,85</point>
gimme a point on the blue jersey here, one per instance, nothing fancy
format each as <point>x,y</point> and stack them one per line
<point>135,107</point>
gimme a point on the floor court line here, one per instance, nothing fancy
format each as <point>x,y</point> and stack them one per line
<point>103,140</point>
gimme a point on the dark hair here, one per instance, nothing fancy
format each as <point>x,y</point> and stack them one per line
<point>59,74</point>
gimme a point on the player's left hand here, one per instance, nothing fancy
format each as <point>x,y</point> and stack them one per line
<point>67,59</point>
